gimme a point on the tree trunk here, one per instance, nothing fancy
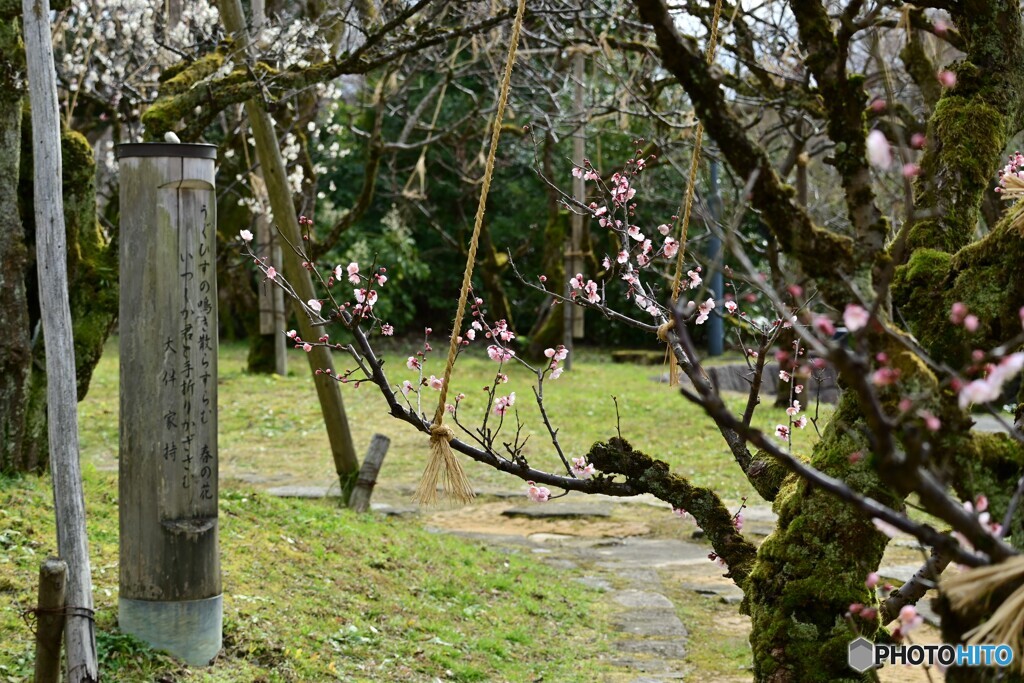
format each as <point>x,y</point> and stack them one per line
<point>16,352</point>
<point>92,271</point>
<point>55,310</point>
<point>813,567</point>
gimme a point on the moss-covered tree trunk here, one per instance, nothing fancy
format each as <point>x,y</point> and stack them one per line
<point>92,270</point>
<point>16,450</point>
<point>813,566</point>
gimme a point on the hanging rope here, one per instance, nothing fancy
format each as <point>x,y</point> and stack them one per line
<point>443,465</point>
<point>673,372</point>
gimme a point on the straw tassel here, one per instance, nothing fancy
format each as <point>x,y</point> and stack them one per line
<point>976,587</point>
<point>443,466</point>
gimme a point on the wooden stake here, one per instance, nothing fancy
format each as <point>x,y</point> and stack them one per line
<point>50,619</point>
<point>360,501</point>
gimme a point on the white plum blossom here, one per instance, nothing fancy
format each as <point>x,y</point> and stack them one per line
<point>879,152</point>
<point>314,305</point>
<point>246,236</point>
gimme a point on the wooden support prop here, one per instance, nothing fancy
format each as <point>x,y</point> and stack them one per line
<point>346,463</point>
<point>170,584</point>
<point>360,500</point>
<point>55,315</point>
<point>53,574</point>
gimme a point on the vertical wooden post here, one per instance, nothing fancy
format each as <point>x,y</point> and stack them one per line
<point>170,594</point>
<point>579,189</point>
<point>55,314</point>
<point>272,315</point>
<point>50,619</point>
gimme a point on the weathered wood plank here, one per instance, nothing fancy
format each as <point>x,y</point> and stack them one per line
<point>61,389</point>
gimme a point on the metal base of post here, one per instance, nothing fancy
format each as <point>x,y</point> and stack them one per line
<point>189,630</point>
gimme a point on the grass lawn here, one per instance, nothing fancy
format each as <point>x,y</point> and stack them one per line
<point>271,424</point>
<point>314,593</point>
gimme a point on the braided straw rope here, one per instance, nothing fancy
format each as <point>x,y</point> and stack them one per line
<point>975,587</point>
<point>443,464</point>
<point>673,372</point>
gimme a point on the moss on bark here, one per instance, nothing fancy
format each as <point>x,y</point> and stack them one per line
<point>813,566</point>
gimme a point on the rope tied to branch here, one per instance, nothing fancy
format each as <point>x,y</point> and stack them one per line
<point>443,465</point>
<point>673,372</point>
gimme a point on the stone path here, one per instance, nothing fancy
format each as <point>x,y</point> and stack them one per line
<point>618,555</point>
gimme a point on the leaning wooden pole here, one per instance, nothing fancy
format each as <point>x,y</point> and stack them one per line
<point>61,390</point>
<point>346,462</point>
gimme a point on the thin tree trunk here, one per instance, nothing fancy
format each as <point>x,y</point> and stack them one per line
<point>51,247</point>
<point>346,462</point>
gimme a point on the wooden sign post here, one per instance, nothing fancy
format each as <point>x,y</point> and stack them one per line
<point>170,590</point>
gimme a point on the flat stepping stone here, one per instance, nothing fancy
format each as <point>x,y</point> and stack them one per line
<point>566,511</point>
<point>303,492</point>
<point>663,649</point>
<point>636,552</point>
<point>594,583</point>
<point>642,600</point>
<point>650,622</point>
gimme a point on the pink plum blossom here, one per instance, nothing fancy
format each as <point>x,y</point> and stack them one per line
<point>694,276</point>
<point>671,247</point>
<point>947,78</point>
<point>581,468</point>
<point>855,317</point>
<point>413,363</point>
<point>496,353</point>
<point>435,383</point>
<point>307,347</point>
<point>353,273</point>
<point>271,273</point>
<point>387,330</point>
<point>246,236</point>
<point>704,310</point>
<point>731,306</point>
<point>538,494</point>
<point>407,386</point>
<point>782,432</point>
<point>503,403</point>
<point>664,228</point>
<point>314,305</point>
